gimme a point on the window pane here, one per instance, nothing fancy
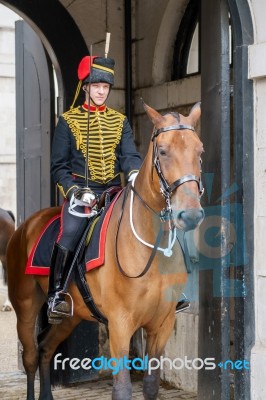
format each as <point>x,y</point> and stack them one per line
<point>193,57</point>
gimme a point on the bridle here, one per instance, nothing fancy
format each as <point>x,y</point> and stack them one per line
<point>166,189</point>
<point>165,215</point>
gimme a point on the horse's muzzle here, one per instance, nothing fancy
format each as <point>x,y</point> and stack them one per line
<point>188,220</point>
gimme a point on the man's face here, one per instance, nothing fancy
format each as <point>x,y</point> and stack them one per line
<point>99,92</point>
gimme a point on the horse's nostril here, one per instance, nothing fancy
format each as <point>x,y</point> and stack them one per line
<point>191,218</point>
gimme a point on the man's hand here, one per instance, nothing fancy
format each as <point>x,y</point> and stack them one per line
<point>86,196</point>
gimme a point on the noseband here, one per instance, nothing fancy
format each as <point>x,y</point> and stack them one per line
<point>165,188</point>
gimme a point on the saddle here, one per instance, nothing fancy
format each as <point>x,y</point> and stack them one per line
<point>108,195</point>
<point>89,254</point>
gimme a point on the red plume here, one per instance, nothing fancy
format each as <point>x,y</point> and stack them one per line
<point>84,67</point>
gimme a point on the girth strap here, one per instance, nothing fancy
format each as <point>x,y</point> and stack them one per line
<point>86,295</point>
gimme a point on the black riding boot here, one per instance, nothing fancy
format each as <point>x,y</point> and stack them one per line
<point>58,307</point>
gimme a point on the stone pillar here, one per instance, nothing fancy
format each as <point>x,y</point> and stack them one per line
<point>257,72</point>
<point>7,110</point>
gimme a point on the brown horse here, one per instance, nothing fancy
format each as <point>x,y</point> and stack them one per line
<point>7,228</point>
<point>166,193</point>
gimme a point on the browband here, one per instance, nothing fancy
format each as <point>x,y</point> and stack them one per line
<point>172,128</point>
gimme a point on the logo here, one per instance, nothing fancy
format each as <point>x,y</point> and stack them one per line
<point>145,364</point>
<point>219,242</point>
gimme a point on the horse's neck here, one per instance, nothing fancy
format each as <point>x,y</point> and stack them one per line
<point>147,185</point>
<point>141,227</point>
<point>145,205</point>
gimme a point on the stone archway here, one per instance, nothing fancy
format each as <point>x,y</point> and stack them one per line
<point>60,36</point>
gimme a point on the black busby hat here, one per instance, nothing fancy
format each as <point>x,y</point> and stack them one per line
<point>102,70</point>
<point>94,70</point>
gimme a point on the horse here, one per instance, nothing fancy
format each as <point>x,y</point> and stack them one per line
<point>144,272</point>
<point>7,228</point>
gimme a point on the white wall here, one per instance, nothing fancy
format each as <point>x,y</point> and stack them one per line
<point>257,72</point>
<point>7,110</point>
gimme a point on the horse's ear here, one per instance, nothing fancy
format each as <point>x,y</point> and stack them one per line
<point>154,116</point>
<point>195,113</point>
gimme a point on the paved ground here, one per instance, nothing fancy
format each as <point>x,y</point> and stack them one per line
<point>13,386</point>
<point>13,381</point>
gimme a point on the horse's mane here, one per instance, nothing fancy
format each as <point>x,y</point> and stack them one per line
<point>174,113</point>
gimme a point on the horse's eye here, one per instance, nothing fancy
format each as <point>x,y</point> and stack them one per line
<point>200,160</point>
<point>162,152</point>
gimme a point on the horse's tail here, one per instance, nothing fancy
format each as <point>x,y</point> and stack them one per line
<point>6,238</point>
<point>11,215</point>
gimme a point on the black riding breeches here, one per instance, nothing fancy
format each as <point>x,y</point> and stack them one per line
<point>71,227</point>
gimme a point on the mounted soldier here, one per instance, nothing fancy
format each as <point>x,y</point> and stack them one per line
<point>92,145</point>
<point>142,271</point>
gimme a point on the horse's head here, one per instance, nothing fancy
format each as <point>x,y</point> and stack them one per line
<point>176,157</point>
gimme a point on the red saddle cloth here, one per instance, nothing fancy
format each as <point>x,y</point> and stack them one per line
<point>39,259</point>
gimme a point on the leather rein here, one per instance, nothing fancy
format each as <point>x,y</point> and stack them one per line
<point>165,189</point>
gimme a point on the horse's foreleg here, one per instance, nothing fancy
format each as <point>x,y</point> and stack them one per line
<point>26,329</point>
<point>7,304</point>
<point>27,300</point>
<point>119,339</point>
<point>156,342</point>
<point>47,347</point>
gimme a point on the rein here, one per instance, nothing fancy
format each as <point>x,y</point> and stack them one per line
<point>158,239</point>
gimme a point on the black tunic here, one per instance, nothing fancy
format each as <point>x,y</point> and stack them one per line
<point>111,149</point>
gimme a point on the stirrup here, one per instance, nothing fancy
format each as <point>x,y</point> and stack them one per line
<point>54,320</point>
<point>54,312</point>
<point>182,304</point>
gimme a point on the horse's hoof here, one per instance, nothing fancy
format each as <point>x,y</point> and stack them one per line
<point>122,392</point>
<point>6,307</point>
<point>50,397</point>
<point>151,387</point>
